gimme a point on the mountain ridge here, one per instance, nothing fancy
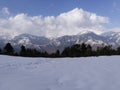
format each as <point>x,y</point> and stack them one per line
<point>51,45</point>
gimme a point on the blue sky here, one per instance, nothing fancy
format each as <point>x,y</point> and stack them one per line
<point>53,7</point>
<point>105,8</point>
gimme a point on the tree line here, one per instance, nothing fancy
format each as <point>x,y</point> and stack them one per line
<point>77,50</point>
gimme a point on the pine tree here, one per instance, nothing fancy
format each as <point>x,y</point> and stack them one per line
<point>83,49</point>
<point>23,51</point>
<point>89,50</point>
<point>57,54</point>
<point>0,51</point>
<point>8,49</point>
<point>75,50</point>
<point>66,52</point>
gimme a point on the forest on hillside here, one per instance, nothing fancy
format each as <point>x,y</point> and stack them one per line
<point>77,50</point>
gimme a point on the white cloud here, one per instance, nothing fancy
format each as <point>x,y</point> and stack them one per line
<point>5,11</point>
<point>68,23</point>
<point>116,29</point>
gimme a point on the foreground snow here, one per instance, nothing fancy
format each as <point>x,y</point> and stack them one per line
<point>93,73</point>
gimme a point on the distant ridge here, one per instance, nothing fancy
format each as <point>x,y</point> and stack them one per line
<point>51,45</point>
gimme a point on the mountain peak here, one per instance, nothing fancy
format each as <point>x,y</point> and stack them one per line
<point>110,33</point>
<point>46,44</point>
<point>85,32</point>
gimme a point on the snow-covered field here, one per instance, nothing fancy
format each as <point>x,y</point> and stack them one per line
<point>93,73</point>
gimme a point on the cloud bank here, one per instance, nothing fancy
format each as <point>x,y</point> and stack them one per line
<point>67,23</point>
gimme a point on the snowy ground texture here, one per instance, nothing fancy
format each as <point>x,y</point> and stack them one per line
<point>93,73</point>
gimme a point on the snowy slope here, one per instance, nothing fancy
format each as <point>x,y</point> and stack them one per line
<point>113,36</point>
<point>51,45</point>
<point>93,73</point>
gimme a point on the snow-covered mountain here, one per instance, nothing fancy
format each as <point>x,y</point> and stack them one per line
<point>113,37</point>
<point>51,45</point>
<point>88,38</point>
<point>29,41</point>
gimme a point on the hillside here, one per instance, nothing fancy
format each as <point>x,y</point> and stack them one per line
<point>92,73</point>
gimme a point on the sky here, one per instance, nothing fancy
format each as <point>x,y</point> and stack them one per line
<point>53,18</point>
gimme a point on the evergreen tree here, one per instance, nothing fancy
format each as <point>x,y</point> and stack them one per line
<point>66,52</point>
<point>23,51</point>
<point>29,52</point>
<point>8,49</point>
<point>84,49</point>
<point>118,51</point>
<point>56,54</point>
<point>89,51</point>
<point>75,50</point>
<point>0,51</point>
